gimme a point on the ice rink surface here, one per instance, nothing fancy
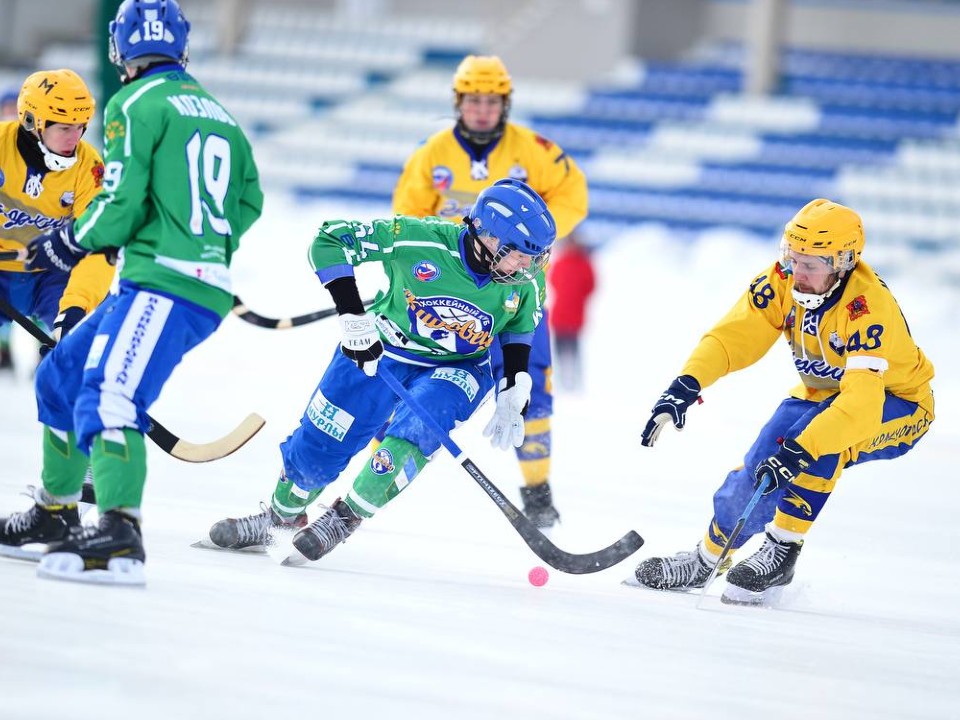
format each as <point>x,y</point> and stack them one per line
<point>426,611</point>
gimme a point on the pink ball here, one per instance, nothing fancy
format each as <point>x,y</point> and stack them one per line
<point>538,576</point>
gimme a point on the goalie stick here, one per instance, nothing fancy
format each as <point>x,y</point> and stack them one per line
<point>535,540</point>
<point>164,439</point>
<point>245,313</point>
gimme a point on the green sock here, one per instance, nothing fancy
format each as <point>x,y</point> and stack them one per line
<point>393,466</point>
<point>63,464</point>
<point>119,459</point>
<point>289,500</point>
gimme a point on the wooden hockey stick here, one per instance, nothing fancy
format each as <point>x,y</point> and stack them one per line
<point>535,540</point>
<point>164,439</point>
<point>245,313</point>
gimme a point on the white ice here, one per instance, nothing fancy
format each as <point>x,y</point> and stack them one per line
<point>427,613</point>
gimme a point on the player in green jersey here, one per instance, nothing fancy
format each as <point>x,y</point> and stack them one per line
<point>180,188</point>
<point>452,290</point>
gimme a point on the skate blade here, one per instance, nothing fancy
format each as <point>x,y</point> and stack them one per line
<point>32,552</point>
<point>733,595</point>
<point>207,544</point>
<point>282,549</point>
<point>67,566</point>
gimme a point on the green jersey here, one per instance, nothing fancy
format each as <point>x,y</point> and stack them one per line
<point>179,189</point>
<point>435,310</point>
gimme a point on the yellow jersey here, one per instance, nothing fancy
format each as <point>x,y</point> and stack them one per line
<point>33,203</point>
<point>856,346</point>
<point>443,176</point>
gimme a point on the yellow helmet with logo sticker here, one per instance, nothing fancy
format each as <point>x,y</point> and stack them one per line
<point>483,75</point>
<point>54,96</point>
<point>828,230</point>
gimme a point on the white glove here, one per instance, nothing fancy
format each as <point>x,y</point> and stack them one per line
<point>506,426</point>
<point>360,341</point>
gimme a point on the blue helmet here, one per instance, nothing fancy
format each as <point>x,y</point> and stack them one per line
<point>148,27</point>
<point>513,213</point>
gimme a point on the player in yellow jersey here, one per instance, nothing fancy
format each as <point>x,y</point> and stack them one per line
<point>864,395</point>
<point>444,176</point>
<point>48,176</point>
<point>8,111</point>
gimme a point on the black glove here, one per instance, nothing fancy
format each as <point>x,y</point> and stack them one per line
<point>672,405</point>
<point>66,321</point>
<point>56,251</point>
<point>783,466</point>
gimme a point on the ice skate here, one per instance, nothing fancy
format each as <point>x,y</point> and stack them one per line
<point>26,535</point>
<point>683,571</point>
<point>538,506</point>
<point>109,553</point>
<point>324,534</point>
<point>760,579</point>
<point>251,534</point>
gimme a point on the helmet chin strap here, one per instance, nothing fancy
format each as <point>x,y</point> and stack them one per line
<point>56,162</point>
<point>811,301</point>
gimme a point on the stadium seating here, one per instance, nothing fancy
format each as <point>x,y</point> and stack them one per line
<point>335,106</point>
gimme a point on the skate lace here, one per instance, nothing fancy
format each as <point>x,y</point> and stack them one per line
<point>253,528</point>
<point>330,529</point>
<point>681,568</point>
<point>767,558</point>
<point>20,521</point>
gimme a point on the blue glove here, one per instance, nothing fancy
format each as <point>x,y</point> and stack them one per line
<point>66,321</point>
<point>57,251</point>
<point>672,405</point>
<point>783,466</point>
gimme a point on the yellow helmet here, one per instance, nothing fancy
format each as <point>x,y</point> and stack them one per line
<point>54,96</point>
<point>826,229</point>
<point>483,75</point>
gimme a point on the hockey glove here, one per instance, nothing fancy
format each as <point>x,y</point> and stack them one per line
<point>360,341</point>
<point>66,321</point>
<point>56,251</point>
<point>505,428</point>
<point>672,405</point>
<point>783,466</point>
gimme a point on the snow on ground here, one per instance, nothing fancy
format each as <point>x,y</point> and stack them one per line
<point>426,612</point>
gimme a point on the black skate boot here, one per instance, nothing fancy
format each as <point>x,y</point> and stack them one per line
<point>761,577</point>
<point>110,552</point>
<point>325,533</point>
<point>25,535</point>
<point>251,533</point>
<point>683,571</point>
<point>538,506</point>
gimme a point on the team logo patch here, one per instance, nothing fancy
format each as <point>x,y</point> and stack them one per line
<point>791,320</point>
<point>442,178</point>
<point>66,200</point>
<point>512,303</point>
<point>454,323</point>
<point>518,172</point>
<point>97,172</point>
<point>858,307</point>
<point>461,378</point>
<point>114,129</point>
<point>382,462</point>
<point>328,418</point>
<point>837,343</point>
<point>426,271</point>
